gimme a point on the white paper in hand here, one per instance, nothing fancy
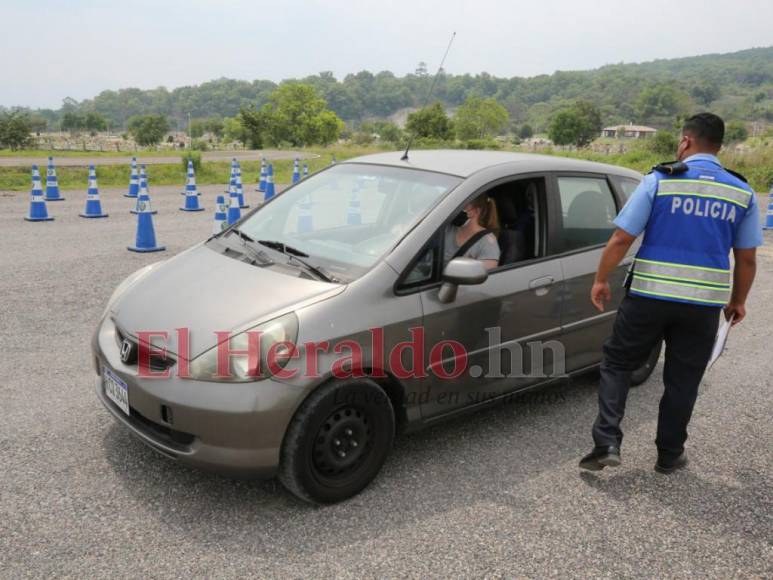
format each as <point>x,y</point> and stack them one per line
<point>721,340</point>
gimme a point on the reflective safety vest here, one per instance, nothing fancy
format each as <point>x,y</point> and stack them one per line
<point>684,256</point>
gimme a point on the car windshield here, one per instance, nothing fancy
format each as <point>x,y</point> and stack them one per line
<point>345,218</point>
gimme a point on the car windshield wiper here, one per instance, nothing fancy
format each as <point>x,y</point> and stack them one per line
<point>258,256</point>
<point>296,255</point>
<point>284,248</point>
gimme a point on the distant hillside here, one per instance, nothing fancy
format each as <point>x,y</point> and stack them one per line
<point>737,85</point>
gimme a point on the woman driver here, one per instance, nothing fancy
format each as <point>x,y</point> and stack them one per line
<point>477,216</point>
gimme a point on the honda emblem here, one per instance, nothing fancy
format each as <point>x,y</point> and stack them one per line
<point>126,350</point>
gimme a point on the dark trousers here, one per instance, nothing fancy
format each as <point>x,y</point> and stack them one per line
<point>689,332</point>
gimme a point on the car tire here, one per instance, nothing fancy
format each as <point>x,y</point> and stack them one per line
<point>337,441</point>
<point>641,374</point>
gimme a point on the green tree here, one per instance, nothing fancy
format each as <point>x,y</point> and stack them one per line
<point>661,102</point>
<point>480,119</point>
<point>577,125</point>
<point>388,132</point>
<point>148,129</point>
<point>197,128</point>
<point>15,130</point>
<point>251,127</point>
<point>526,131</point>
<point>430,122</point>
<point>295,114</point>
<point>213,125</point>
<point>94,122</point>
<point>327,128</point>
<point>72,122</point>
<point>706,92</point>
<point>233,129</point>
<point>38,123</point>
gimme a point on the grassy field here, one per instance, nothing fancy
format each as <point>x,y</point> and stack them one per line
<point>756,165</point>
<point>58,153</point>
<point>18,178</point>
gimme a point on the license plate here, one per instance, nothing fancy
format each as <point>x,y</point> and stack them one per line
<point>116,390</point>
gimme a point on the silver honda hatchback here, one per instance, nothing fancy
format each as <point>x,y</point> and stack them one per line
<point>298,341</point>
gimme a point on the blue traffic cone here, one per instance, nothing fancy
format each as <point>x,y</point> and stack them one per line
<point>145,240</point>
<point>234,213</point>
<point>305,170</point>
<point>231,179</point>
<point>270,190</point>
<point>93,205</point>
<point>52,184</point>
<point>38,210</point>
<point>296,171</point>
<point>191,195</point>
<point>769,216</point>
<point>353,213</point>
<point>220,215</point>
<point>134,181</point>
<point>185,191</point>
<point>262,182</point>
<point>240,187</point>
<point>143,198</point>
<point>305,223</point>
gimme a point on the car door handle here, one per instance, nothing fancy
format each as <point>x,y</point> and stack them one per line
<point>543,282</point>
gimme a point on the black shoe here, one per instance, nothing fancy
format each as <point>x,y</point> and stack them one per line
<point>667,467</point>
<point>600,458</point>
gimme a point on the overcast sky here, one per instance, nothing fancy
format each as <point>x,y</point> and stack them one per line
<point>51,49</point>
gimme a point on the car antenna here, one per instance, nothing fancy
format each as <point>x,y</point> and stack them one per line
<point>429,94</point>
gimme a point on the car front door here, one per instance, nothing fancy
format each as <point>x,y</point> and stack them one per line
<point>505,329</point>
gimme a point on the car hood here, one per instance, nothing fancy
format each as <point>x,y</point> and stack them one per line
<point>205,291</point>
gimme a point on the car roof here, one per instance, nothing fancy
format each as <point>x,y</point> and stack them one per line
<point>463,162</point>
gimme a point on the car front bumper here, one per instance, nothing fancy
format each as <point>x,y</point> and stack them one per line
<point>235,429</point>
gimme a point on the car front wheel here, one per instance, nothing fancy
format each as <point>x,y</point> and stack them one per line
<point>337,441</point>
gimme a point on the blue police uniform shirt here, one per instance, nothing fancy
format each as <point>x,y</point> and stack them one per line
<point>635,214</point>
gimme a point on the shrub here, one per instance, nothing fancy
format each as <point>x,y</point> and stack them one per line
<point>482,144</point>
<point>663,144</point>
<point>194,156</point>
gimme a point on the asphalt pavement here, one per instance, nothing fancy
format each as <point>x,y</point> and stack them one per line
<point>497,493</point>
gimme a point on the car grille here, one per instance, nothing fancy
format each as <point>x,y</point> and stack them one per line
<point>157,363</point>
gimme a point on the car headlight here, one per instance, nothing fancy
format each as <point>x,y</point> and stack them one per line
<point>248,357</point>
<point>128,281</point>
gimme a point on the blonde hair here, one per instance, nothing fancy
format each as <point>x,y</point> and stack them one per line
<point>488,217</point>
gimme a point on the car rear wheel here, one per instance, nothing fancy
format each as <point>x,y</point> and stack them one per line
<point>337,441</point>
<point>641,374</point>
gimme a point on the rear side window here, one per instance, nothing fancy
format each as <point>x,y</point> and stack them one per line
<point>587,210</point>
<point>627,185</point>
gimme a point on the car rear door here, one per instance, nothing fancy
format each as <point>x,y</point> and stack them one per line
<point>586,204</point>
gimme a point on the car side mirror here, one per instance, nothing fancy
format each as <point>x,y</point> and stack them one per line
<point>461,271</point>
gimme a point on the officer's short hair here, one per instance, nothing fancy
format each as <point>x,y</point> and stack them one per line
<point>706,127</point>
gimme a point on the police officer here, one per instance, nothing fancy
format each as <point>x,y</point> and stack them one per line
<point>691,212</point>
